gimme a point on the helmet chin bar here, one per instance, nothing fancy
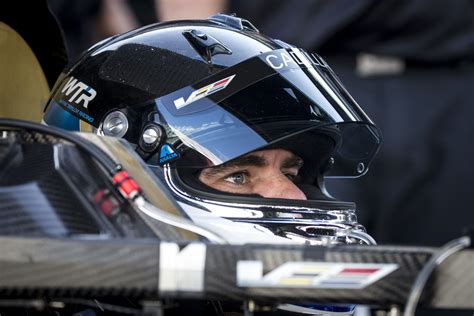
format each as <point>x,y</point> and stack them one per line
<point>300,224</point>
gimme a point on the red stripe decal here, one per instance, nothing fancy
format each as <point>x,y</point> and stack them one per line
<point>359,270</point>
<point>220,82</point>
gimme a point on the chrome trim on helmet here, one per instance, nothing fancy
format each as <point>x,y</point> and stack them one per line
<point>301,224</point>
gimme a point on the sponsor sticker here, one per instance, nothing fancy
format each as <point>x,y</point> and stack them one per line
<point>78,92</point>
<point>281,60</point>
<point>312,274</point>
<point>77,111</point>
<point>167,154</point>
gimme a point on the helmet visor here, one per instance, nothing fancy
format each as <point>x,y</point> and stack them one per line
<point>265,100</point>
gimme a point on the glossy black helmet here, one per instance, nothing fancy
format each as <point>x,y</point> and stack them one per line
<point>200,93</point>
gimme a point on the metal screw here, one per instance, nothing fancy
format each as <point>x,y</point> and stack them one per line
<point>115,124</point>
<point>150,136</point>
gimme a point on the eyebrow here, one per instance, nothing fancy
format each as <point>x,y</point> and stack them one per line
<point>292,162</point>
<point>249,160</point>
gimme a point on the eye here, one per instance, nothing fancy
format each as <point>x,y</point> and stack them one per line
<point>293,176</point>
<point>238,178</point>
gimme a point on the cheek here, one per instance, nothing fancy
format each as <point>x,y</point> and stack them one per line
<point>278,187</point>
<point>212,182</point>
<point>224,186</point>
<point>204,179</point>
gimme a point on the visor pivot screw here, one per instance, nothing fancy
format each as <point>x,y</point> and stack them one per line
<point>115,124</point>
<point>360,167</point>
<point>150,136</point>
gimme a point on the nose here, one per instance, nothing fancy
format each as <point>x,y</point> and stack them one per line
<point>280,187</point>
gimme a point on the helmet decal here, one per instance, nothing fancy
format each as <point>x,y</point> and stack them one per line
<point>203,92</point>
<point>78,92</point>
<point>167,154</point>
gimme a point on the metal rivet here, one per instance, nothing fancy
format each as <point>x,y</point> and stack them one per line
<point>360,167</point>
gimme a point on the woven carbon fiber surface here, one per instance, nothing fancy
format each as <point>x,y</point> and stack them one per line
<point>78,267</point>
<point>130,268</point>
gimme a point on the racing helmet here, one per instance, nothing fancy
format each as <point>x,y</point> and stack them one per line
<point>194,94</point>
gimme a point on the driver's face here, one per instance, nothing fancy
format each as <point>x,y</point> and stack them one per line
<point>269,173</point>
